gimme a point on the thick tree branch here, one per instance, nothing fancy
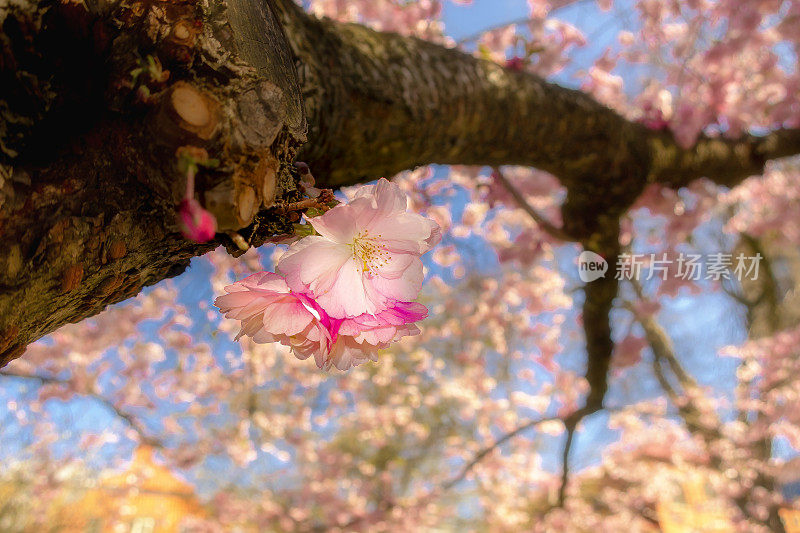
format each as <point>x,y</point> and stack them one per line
<point>723,161</point>
<point>598,301</point>
<point>380,103</point>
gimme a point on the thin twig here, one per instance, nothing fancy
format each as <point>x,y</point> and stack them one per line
<point>708,426</point>
<point>543,223</point>
<point>496,444</point>
<point>562,490</point>
<point>302,205</point>
<point>573,418</point>
<point>123,415</point>
<point>659,341</point>
<point>320,202</point>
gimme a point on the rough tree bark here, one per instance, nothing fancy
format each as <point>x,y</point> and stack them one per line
<point>96,96</point>
<point>95,100</point>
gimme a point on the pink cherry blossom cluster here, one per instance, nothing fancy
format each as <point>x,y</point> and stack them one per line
<point>768,205</point>
<point>347,292</point>
<point>421,18</point>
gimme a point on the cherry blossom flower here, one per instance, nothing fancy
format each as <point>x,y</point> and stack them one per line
<point>366,256</point>
<point>346,292</point>
<point>628,352</point>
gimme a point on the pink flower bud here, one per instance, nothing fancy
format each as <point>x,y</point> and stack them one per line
<point>303,168</point>
<point>516,64</point>
<point>653,118</point>
<point>307,180</point>
<point>196,223</point>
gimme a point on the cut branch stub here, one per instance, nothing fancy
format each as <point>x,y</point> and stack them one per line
<point>195,114</point>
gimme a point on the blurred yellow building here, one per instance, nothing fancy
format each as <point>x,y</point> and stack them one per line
<point>146,498</point>
<point>787,475</point>
<point>790,519</point>
<point>695,511</point>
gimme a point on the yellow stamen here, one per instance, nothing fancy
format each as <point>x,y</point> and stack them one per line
<point>369,253</point>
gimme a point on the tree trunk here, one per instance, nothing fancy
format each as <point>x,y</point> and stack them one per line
<point>95,101</point>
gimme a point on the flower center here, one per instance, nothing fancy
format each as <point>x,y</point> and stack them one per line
<point>369,253</point>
